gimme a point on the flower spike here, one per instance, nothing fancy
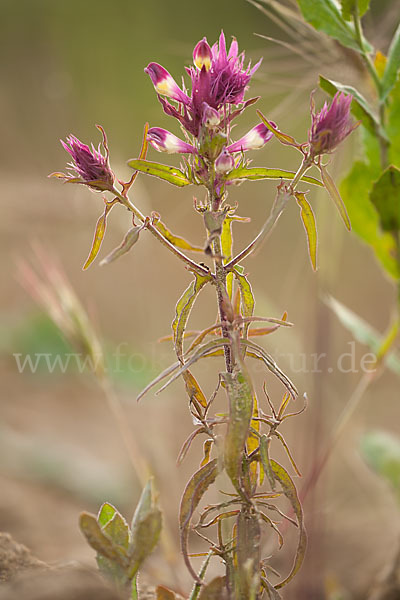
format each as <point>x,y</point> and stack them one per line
<point>165,141</point>
<point>253,140</point>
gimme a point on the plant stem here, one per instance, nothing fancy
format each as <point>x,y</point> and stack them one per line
<point>134,592</point>
<point>282,198</point>
<point>367,59</point>
<point>157,234</point>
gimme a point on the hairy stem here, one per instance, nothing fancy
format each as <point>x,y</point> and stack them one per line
<point>157,234</point>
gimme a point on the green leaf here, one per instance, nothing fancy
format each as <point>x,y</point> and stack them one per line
<point>325,15</point>
<point>100,541</point>
<point>183,310</point>
<point>307,216</point>
<point>271,366</point>
<point>265,442</point>
<point>246,299</point>
<point>335,196</point>
<point>130,239</point>
<point>117,529</point>
<point>289,489</point>
<point>240,396</point>
<point>175,240</point>
<point>393,125</point>
<point>364,333</point>
<point>194,491</point>
<point>98,236</point>
<point>146,529</point>
<point>385,196</point>
<point>350,6</point>
<point>284,138</point>
<point>256,173</point>
<point>165,172</point>
<point>355,189</point>
<point>106,513</point>
<point>392,66</point>
<point>381,451</point>
<point>360,108</point>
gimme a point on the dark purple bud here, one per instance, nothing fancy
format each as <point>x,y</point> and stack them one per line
<point>331,125</point>
<point>88,166</point>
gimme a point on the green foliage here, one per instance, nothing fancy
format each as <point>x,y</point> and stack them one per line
<point>349,7</point>
<point>392,66</point>
<point>121,550</point>
<point>385,196</point>
<point>326,16</point>
<point>364,333</point>
<point>257,173</point>
<point>165,172</point>
<point>381,451</point>
<point>355,190</point>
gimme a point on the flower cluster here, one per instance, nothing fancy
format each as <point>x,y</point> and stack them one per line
<point>219,81</point>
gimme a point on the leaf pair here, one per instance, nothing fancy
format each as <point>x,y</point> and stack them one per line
<point>121,550</point>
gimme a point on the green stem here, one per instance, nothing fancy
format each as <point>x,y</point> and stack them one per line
<point>134,590</point>
<point>367,59</point>
<point>157,234</point>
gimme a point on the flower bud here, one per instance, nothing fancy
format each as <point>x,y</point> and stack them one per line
<point>224,162</point>
<point>165,141</point>
<point>165,84</point>
<point>202,55</point>
<point>210,116</point>
<point>88,165</point>
<point>253,140</point>
<point>331,125</point>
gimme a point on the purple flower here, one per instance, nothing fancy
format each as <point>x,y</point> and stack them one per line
<point>88,165</point>
<point>253,140</point>
<point>224,162</point>
<point>219,79</point>
<point>165,84</point>
<point>331,125</point>
<point>165,141</point>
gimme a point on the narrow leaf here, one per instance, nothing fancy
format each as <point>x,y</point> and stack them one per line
<point>392,66</point>
<point>256,173</point>
<point>284,138</point>
<point>265,442</point>
<point>289,489</point>
<point>175,240</point>
<point>165,172</point>
<point>193,389</point>
<point>240,396</point>
<point>163,593</point>
<point>307,216</point>
<point>130,239</point>
<point>335,196</point>
<point>194,491</point>
<point>183,310</point>
<point>208,444</point>
<point>247,299</point>
<point>98,236</point>
<point>271,366</point>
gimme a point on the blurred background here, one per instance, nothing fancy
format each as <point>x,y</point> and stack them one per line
<point>66,66</point>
